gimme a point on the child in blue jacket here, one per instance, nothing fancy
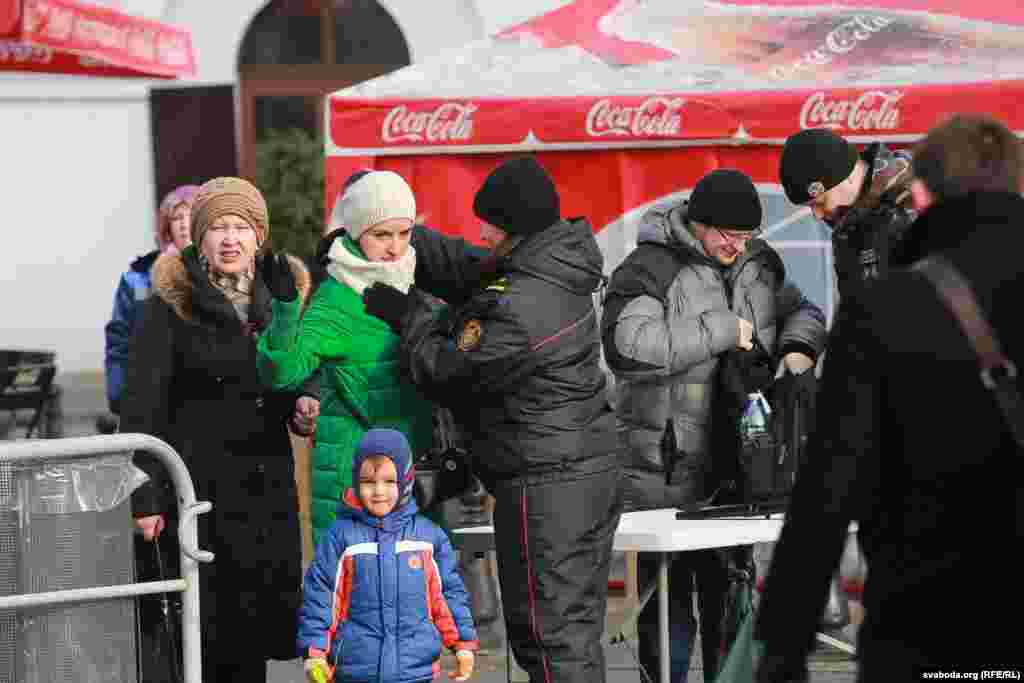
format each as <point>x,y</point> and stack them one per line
<point>383,593</point>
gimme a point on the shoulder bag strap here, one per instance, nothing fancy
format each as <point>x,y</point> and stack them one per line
<point>997,371</point>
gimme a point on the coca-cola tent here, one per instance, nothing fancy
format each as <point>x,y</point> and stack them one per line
<point>628,102</point>
<point>73,37</point>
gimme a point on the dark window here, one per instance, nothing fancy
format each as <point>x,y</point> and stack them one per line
<point>290,32</point>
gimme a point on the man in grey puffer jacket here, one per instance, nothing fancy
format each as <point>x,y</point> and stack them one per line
<point>698,286</point>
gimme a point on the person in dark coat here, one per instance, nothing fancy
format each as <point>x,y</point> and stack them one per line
<point>911,444</point>
<point>192,380</point>
<point>518,362</point>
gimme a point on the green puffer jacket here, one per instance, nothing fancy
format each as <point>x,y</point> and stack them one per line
<point>356,356</point>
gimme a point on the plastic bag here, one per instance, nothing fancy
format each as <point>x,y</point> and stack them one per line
<point>741,662</point>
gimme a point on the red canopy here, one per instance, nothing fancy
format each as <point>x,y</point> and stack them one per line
<point>607,73</point>
<point>71,37</point>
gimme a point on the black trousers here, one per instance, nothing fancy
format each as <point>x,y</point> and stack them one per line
<point>553,535</point>
<point>700,570</point>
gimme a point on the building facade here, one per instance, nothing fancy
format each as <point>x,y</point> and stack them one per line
<point>84,159</point>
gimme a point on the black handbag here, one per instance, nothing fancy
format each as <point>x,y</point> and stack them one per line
<point>443,472</point>
<point>770,459</point>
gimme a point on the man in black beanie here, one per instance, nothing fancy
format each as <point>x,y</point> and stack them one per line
<point>864,198</point>
<point>693,295</point>
<point>896,452</point>
<point>518,364</point>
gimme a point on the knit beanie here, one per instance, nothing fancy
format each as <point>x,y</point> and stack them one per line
<point>727,199</point>
<point>392,444</point>
<point>223,196</point>
<point>373,198</point>
<point>175,198</point>
<point>814,161</point>
<point>519,197</point>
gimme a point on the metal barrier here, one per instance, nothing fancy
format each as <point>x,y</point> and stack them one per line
<point>32,451</point>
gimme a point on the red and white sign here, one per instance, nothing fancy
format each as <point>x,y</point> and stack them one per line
<point>66,36</point>
<point>877,110</point>
<point>448,122</point>
<point>654,117</point>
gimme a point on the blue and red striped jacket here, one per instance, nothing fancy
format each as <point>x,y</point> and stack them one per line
<point>382,595</point>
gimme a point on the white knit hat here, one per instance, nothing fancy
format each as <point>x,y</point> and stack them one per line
<point>377,196</point>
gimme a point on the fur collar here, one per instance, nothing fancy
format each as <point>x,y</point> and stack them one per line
<point>171,282</point>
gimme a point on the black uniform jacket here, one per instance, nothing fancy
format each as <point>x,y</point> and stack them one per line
<point>518,360</point>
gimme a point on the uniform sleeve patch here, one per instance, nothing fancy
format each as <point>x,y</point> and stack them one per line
<point>469,337</point>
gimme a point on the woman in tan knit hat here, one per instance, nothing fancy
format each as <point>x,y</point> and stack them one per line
<point>192,381</point>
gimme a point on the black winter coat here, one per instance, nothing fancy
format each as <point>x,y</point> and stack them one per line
<point>911,445</point>
<point>518,361</point>
<point>192,381</point>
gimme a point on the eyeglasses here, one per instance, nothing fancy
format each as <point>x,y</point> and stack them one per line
<point>738,237</point>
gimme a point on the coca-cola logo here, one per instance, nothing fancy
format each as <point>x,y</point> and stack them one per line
<point>872,110</point>
<point>451,121</point>
<point>654,117</point>
<point>841,40</point>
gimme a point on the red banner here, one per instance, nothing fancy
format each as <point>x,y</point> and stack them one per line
<point>402,126</point>
<point>489,121</point>
<point>64,36</point>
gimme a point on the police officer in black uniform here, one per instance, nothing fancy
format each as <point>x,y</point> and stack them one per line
<point>518,363</point>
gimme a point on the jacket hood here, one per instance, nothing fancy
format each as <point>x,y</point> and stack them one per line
<point>181,282</point>
<point>950,222</point>
<point>670,228</point>
<point>566,254</point>
<point>393,445</point>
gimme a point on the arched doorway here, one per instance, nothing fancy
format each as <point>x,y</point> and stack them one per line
<point>296,51</point>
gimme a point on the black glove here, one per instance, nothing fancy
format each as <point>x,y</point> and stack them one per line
<point>745,372</point>
<point>278,277</point>
<point>387,303</point>
<point>792,391</point>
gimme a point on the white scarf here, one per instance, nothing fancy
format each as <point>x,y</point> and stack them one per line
<point>358,273</point>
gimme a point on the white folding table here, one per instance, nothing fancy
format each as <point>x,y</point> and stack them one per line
<point>658,531</point>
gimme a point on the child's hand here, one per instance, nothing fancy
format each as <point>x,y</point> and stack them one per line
<point>465,660</point>
<point>317,670</point>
